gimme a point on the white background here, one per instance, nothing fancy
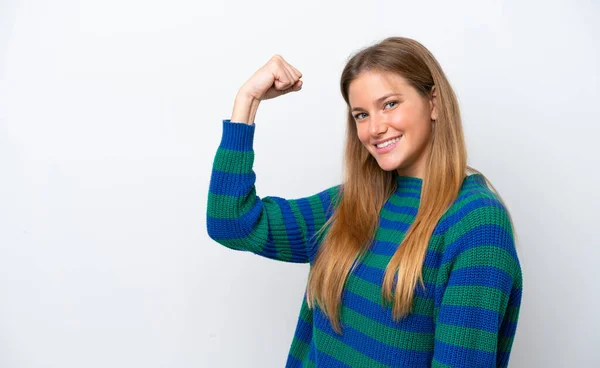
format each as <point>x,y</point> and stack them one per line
<point>111,113</point>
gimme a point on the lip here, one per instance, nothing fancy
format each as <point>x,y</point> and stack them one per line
<point>388,148</point>
<point>387,139</point>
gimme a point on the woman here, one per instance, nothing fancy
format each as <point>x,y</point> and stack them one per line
<point>412,262</point>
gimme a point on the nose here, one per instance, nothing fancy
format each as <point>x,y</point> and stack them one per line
<point>377,125</point>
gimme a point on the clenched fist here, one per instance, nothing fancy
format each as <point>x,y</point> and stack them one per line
<point>277,77</point>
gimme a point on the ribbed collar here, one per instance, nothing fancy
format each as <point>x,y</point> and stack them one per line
<point>414,185</point>
<point>409,187</point>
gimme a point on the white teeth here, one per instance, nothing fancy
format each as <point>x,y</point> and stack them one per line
<point>387,143</point>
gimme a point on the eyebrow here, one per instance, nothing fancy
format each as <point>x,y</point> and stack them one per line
<point>379,100</point>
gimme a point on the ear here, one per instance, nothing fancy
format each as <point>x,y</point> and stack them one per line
<point>433,103</point>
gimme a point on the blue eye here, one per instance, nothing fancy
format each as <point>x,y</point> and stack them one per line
<point>357,115</point>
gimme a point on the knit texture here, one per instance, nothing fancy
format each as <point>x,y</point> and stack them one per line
<point>465,317</point>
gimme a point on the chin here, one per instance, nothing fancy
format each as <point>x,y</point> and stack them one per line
<point>389,166</point>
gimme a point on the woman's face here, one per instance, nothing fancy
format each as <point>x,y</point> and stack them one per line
<point>405,118</point>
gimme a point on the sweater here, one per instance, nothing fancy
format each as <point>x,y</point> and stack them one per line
<point>465,317</point>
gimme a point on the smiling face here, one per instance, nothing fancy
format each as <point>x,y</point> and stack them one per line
<point>404,117</point>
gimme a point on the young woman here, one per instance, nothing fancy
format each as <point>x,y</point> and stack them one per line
<point>412,261</point>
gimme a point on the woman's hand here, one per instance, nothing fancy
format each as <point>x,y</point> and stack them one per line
<point>277,77</point>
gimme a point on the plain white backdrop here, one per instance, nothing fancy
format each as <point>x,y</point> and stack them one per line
<point>111,113</point>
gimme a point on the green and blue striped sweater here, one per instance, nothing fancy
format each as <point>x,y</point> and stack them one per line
<point>466,316</point>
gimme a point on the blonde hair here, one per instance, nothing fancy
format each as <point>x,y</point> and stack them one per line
<point>352,226</point>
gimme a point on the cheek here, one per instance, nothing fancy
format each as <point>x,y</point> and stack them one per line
<point>363,134</point>
<point>410,121</point>
<point>403,119</point>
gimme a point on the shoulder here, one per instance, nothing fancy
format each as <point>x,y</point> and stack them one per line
<point>477,204</point>
<point>479,230</point>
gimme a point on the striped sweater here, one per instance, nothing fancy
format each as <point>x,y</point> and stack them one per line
<point>465,317</point>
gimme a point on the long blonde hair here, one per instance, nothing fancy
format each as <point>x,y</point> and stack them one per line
<point>366,187</point>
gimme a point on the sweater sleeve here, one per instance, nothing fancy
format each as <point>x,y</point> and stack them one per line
<point>477,317</point>
<point>273,227</point>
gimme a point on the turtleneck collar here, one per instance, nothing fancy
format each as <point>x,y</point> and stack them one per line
<point>414,185</point>
<point>408,186</point>
<point>409,181</point>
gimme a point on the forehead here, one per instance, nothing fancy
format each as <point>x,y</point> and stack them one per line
<point>369,86</point>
